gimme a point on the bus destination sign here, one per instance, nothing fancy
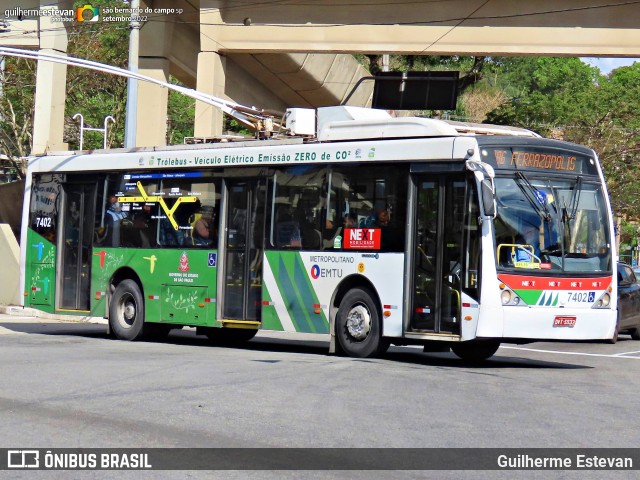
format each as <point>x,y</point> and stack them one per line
<point>538,159</point>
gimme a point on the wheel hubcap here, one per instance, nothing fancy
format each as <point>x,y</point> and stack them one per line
<point>358,322</point>
<point>127,311</point>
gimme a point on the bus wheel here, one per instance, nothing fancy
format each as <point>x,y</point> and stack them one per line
<point>230,336</point>
<point>126,311</point>
<point>358,326</point>
<point>475,351</point>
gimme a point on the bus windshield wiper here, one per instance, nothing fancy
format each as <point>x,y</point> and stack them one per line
<point>530,193</point>
<point>575,201</point>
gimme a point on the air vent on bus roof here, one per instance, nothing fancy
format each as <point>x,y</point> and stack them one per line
<point>352,123</point>
<point>468,128</point>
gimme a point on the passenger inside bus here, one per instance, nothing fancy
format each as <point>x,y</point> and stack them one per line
<point>113,220</point>
<point>310,236</point>
<point>204,227</point>
<point>529,236</point>
<point>382,217</point>
<point>350,220</point>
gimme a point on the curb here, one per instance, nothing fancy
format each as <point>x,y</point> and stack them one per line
<point>19,311</point>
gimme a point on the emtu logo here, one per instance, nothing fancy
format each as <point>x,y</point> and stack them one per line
<point>315,272</point>
<point>87,14</point>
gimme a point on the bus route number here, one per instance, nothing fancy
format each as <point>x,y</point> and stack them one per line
<point>581,297</point>
<point>43,222</point>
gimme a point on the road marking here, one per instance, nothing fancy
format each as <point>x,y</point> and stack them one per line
<point>626,353</point>
<point>617,355</point>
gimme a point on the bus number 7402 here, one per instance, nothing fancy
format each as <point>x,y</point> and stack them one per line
<point>581,297</point>
<point>44,222</point>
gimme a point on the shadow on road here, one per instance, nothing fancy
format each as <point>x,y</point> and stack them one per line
<point>407,355</point>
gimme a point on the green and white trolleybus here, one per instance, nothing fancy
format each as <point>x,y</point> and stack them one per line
<point>375,230</point>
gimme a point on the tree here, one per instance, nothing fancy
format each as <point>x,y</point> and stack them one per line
<point>95,94</point>
<point>543,92</point>
<point>612,128</point>
<point>16,110</point>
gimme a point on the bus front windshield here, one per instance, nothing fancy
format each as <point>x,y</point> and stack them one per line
<point>548,223</point>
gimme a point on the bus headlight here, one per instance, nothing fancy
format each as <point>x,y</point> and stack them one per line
<point>505,296</point>
<point>603,302</point>
<point>509,297</point>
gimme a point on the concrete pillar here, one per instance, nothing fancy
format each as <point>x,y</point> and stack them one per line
<point>152,103</point>
<point>211,68</point>
<point>50,95</point>
<point>209,120</point>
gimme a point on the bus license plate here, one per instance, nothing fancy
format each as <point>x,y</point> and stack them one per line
<point>564,322</point>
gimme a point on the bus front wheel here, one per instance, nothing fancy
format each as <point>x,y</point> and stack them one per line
<point>358,326</point>
<point>476,350</point>
<point>126,311</point>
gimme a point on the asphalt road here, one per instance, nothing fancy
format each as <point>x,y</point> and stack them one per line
<point>69,385</point>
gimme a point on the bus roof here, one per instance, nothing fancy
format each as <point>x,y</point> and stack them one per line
<point>336,124</point>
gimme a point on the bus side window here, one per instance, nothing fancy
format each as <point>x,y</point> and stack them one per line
<point>287,229</point>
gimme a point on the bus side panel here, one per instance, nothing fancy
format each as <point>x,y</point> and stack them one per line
<point>178,285</point>
<point>40,274</point>
<point>299,286</point>
<point>289,299</point>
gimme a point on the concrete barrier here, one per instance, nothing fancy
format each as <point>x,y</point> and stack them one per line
<point>9,267</point>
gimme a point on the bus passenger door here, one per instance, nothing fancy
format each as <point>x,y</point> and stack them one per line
<point>244,234</point>
<point>75,237</point>
<point>438,254</point>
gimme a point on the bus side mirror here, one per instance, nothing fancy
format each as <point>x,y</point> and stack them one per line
<point>487,194</point>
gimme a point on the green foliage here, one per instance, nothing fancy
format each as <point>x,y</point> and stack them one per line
<point>543,91</point>
<point>16,110</point>
<point>182,111</point>
<point>94,94</point>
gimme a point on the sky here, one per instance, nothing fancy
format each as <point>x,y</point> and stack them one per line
<point>606,64</point>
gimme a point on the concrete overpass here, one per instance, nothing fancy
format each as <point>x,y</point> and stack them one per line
<point>291,53</point>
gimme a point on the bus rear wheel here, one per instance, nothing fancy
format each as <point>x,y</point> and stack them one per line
<point>358,328</point>
<point>476,350</point>
<point>126,311</point>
